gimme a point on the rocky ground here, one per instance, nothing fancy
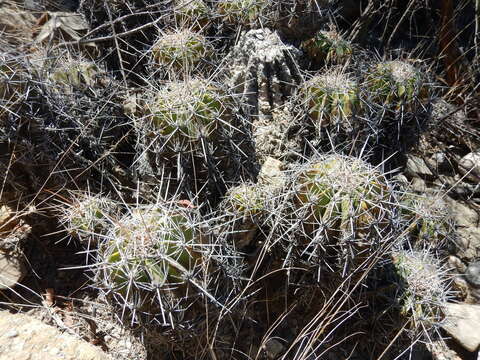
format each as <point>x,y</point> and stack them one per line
<point>312,166</point>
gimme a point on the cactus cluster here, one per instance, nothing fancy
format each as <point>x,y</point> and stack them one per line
<point>200,100</point>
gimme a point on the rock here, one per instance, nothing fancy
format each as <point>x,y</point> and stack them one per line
<point>13,233</point>
<point>12,270</point>
<point>273,348</point>
<point>469,166</point>
<point>416,166</point>
<point>462,214</point>
<point>468,243</point>
<point>462,323</point>
<point>472,274</point>
<point>456,264</point>
<point>272,173</point>
<point>23,337</point>
<point>15,24</point>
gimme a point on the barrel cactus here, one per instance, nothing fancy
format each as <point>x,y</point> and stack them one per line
<point>148,259</point>
<point>180,50</point>
<point>346,209</point>
<point>397,85</point>
<point>88,218</point>
<point>193,14</point>
<point>327,47</point>
<point>331,99</point>
<point>244,12</point>
<point>430,223</point>
<point>424,289</point>
<point>245,207</point>
<point>74,73</point>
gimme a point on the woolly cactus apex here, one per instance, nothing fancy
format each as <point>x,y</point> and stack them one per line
<point>191,13</point>
<point>149,258</point>
<point>346,206</point>
<point>331,99</point>
<point>328,47</point>
<point>424,288</point>
<point>397,85</point>
<point>180,50</point>
<point>89,217</point>
<point>188,110</point>
<point>243,12</point>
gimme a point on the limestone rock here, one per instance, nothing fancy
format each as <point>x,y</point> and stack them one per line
<point>272,173</point>
<point>472,274</point>
<point>462,323</point>
<point>23,337</point>
<point>416,166</point>
<point>12,270</point>
<point>469,166</point>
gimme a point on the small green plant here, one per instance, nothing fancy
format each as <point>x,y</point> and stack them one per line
<point>180,50</point>
<point>331,99</point>
<point>328,47</point>
<point>244,12</point>
<point>396,85</point>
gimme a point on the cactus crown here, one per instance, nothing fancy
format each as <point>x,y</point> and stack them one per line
<point>337,184</point>
<point>331,98</point>
<point>187,110</point>
<point>192,13</point>
<point>180,49</point>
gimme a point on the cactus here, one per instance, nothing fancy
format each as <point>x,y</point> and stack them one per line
<point>244,12</point>
<point>70,73</point>
<point>149,256</point>
<point>90,217</point>
<point>331,99</point>
<point>186,111</point>
<point>327,47</point>
<point>180,50</point>
<point>429,222</point>
<point>193,14</point>
<point>424,288</point>
<point>346,205</point>
<point>397,85</point>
